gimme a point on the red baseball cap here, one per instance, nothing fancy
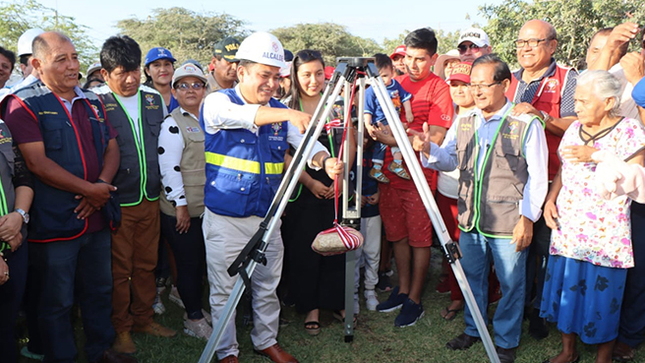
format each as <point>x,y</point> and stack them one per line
<point>461,72</point>
<point>400,50</point>
<point>329,71</point>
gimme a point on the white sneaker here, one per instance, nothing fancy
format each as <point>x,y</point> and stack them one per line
<point>198,329</point>
<point>174,297</point>
<point>158,306</point>
<point>207,316</point>
<point>371,300</point>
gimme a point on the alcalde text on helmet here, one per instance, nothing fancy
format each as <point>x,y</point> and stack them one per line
<point>275,56</point>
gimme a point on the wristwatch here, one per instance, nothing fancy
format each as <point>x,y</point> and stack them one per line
<point>545,117</point>
<point>25,215</point>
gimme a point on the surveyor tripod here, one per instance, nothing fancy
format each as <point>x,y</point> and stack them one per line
<point>349,72</point>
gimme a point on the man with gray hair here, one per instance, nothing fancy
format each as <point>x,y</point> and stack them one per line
<point>70,147</point>
<point>545,89</point>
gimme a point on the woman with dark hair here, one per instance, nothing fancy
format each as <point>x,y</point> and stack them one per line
<point>315,282</point>
<point>159,69</point>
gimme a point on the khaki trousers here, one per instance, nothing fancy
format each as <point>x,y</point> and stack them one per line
<point>134,258</point>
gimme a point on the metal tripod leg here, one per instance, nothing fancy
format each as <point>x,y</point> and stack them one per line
<point>278,206</point>
<point>352,214</point>
<point>416,172</point>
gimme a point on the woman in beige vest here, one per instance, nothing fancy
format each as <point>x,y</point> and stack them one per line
<point>181,161</point>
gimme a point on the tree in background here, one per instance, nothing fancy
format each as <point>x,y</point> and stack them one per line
<point>575,21</point>
<point>332,40</point>
<point>187,34</point>
<point>19,16</point>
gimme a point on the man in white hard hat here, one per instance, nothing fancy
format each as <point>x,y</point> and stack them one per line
<point>24,50</point>
<point>30,75</point>
<point>247,135</point>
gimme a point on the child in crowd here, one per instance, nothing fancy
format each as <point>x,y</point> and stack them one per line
<point>368,255</point>
<point>374,116</point>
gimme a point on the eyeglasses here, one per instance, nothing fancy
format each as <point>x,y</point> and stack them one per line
<point>185,86</point>
<point>520,43</point>
<point>481,87</point>
<point>462,47</point>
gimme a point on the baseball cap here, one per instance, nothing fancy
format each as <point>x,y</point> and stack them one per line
<point>475,36</point>
<point>195,63</point>
<point>288,55</point>
<point>329,71</point>
<point>93,68</point>
<point>461,72</point>
<point>158,53</point>
<point>400,50</point>
<point>188,70</point>
<point>227,48</point>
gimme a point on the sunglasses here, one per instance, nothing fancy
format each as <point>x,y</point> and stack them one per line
<point>463,48</point>
<point>185,86</point>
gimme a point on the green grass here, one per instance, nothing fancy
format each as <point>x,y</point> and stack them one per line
<point>375,338</point>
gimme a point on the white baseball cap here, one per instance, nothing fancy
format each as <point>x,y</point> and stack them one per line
<point>263,48</point>
<point>25,40</point>
<point>475,36</point>
<point>188,70</point>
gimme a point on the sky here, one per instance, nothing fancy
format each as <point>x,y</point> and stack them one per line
<point>375,19</point>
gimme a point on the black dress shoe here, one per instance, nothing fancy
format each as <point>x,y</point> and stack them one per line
<point>111,356</point>
<point>505,355</point>
<point>462,342</point>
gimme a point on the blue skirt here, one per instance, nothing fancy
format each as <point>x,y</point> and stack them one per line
<point>583,298</point>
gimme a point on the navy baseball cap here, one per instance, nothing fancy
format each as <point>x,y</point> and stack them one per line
<point>158,53</point>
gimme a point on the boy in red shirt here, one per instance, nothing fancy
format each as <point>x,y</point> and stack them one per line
<point>406,221</point>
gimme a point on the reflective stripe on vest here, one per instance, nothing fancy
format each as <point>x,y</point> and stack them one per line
<point>248,166</point>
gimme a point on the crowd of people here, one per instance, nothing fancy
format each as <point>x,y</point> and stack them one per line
<point>112,188</point>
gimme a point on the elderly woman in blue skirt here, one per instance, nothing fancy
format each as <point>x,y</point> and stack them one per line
<point>591,240</point>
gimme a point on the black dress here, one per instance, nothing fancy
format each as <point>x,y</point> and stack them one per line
<point>315,281</point>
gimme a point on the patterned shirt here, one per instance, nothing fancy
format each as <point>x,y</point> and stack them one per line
<point>593,229</point>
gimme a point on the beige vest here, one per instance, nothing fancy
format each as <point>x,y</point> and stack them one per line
<point>192,165</point>
<point>489,199</point>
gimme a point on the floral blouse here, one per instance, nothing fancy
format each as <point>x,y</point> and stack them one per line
<point>591,228</point>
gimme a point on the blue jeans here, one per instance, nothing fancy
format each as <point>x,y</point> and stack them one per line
<point>478,252</point>
<point>85,260</point>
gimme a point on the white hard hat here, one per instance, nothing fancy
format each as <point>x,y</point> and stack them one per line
<point>263,48</point>
<point>93,68</point>
<point>25,40</point>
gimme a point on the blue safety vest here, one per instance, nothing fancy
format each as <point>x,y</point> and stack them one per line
<point>244,169</point>
<point>52,210</point>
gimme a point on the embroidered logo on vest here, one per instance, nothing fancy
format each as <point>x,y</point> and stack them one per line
<point>551,86</point>
<point>512,131</point>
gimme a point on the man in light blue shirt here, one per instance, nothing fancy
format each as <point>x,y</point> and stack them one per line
<point>503,182</point>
